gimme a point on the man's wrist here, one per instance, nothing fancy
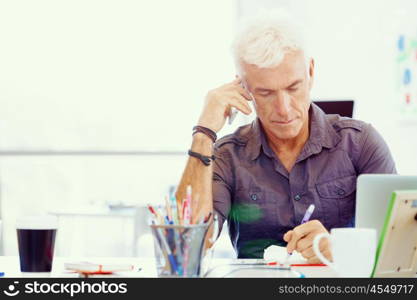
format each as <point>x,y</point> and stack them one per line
<point>206,160</point>
<point>205,130</point>
<point>202,144</point>
<point>202,138</point>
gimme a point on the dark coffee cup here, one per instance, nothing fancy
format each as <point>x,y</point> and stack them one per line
<point>36,241</point>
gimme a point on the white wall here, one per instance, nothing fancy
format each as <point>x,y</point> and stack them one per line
<point>354,44</point>
<point>103,75</point>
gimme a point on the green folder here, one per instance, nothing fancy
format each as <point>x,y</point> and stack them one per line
<point>384,230</point>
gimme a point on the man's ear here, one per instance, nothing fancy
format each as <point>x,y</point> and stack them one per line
<point>311,73</point>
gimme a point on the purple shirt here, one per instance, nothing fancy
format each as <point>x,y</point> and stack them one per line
<point>261,200</point>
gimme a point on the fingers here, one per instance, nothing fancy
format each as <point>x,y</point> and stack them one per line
<point>233,84</point>
<point>309,252</point>
<point>304,243</point>
<point>315,260</point>
<point>238,86</point>
<point>303,235</point>
<point>328,254</point>
<point>307,242</point>
<point>218,104</point>
<point>287,236</point>
<point>306,249</point>
<point>244,92</point>
<point>297,234</point>
<point>240,104</point>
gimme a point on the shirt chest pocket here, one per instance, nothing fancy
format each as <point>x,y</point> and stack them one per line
<point>337,198</point>
<point>253,207</point>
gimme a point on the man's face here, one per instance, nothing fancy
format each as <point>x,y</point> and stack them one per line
<point>282,94</point>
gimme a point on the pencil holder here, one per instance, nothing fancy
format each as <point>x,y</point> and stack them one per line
<point>179,249</point>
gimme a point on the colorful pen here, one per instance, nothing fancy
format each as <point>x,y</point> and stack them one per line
<point>168,208</point>
<point>171,257</point>
<point>157,216</point>
<point>187,207</point>
<point>186,212</point>
<point>173,201</point>
<point>305,219</point>
<point>189,200</point>
<point>308,213</point>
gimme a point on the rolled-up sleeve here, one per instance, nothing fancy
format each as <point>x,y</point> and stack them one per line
<point>222,189</point>
<point>375,156</point>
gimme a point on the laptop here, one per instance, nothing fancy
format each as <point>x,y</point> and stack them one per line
<point>373,193</point>
<point>344,108</point>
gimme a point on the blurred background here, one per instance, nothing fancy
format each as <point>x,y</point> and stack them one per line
<point>98,98</point>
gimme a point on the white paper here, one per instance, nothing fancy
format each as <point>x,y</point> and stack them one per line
<point>279,254</point>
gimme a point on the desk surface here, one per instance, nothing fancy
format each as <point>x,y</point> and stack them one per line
<point>217,267</point>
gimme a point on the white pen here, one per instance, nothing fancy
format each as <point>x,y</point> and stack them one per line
<point>234,111</point>
<point>215,229</point>
<point>232,115</point>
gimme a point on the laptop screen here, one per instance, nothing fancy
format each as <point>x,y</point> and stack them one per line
<point>342,107</point>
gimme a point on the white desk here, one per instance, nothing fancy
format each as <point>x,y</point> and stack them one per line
<point>218,267</point>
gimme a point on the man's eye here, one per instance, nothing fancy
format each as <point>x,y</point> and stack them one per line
<point>263,93</point>
<point>294,88</point>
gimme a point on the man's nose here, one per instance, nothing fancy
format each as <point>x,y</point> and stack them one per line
<point>282,105</point>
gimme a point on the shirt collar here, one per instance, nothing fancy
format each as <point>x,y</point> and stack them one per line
<point>322,135</point>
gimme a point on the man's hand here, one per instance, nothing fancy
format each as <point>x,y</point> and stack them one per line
<point>301,239</point>
<point>219,102</point>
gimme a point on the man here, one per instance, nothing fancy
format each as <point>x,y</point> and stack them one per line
<point>265,175</point>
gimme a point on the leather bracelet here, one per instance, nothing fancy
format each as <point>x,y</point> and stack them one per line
<point>206,160</point>
<point>207,131</point>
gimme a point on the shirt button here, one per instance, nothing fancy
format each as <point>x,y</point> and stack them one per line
<point>297,197</point>
<point>340,192</point>
<point>254,197</point>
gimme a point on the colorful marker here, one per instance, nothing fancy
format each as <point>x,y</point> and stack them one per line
<point>157,216</point>
<point>308,213</point>
<point>173,201</point>
<point>305,219</point>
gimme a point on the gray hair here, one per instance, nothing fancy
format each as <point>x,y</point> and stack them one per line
<point>263,40</point>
